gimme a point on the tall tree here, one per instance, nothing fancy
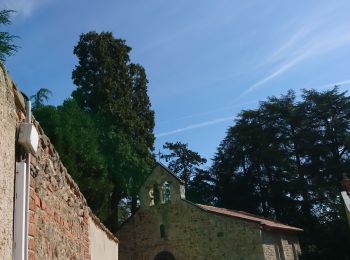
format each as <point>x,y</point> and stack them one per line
<point>285,160</point>
<point>114,91</point>
<point>76,137</point>
<point>182,161</point>
<point>188,164</point>
<point>40,97</point>
<point>7,46</point>
<point>200,188</point>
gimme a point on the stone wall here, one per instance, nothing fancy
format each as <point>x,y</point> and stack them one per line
<point>277,245</point>
<point>59,216</point>
<point>190,233</point>
<point>8,119</point>
<point>58,211</point>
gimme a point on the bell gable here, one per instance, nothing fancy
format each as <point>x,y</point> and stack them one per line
<point>161,187</point>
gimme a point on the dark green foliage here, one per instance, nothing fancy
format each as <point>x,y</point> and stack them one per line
<point>7,47</point>
<point>186,164</point>
<point>105,133</point>
<point>182,161</point>
<point>285,160</point>
<point>76,136</point>
<point>40,97</point>
<point>200,188</point>
<point>114,91</point>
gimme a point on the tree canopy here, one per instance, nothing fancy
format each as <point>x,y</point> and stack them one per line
<point>285,160</point>
<point>75,135</point>
<point>188,165</point>
<point>105,133</point>
<point>7,46</point>
<point>182,161</point>
<point>114,91</point>
<point>40,97</point>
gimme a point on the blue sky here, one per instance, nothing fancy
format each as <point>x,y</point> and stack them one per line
<point>205,60</point>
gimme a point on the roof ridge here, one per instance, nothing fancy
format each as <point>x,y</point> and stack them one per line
<point>258,216</point>
<point>249,216</point>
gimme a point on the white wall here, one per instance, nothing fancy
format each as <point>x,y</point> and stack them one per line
<point>101,246</point>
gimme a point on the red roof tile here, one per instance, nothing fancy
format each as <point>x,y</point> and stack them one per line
<point>266,223</point>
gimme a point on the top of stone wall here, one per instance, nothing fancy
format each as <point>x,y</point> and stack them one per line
<point>20,101</point>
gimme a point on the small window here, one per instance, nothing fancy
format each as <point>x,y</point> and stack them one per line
<point>162,231</point>
<point>160,194</point>
<point>220,234</point>
<point>182,192</point>
<point>156,194</point>
<point>151,196</point>
<point>166,192</point>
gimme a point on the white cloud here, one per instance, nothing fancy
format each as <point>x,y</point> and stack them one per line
<point>23,7</point>
<point>194,126</point>
<point>305,43</point>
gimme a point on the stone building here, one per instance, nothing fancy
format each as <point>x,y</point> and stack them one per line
<point>167,226</point>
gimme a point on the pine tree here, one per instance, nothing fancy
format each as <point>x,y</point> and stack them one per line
<point>188,164</point>
<point>284,160</point>
<point>7,47</point>
<point>40,97</point>
<point>114,91</point>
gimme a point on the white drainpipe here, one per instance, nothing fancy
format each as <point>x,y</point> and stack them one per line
<point>21,210</point>
<point>20,227</point>
<point>29,121</point>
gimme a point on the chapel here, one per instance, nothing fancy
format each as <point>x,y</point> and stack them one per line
<point>167,227</point>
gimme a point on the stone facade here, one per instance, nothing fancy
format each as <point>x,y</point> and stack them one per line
<point>8,119</point>
<point>279,245</point>
<point>178,229</point>
<point>61,225</point>
<point>58,212</point>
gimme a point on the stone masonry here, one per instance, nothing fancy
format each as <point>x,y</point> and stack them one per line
<point>192,231</point>
<point>8,119</point>
<point>59,216</point>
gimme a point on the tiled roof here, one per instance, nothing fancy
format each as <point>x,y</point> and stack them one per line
<point>266,223</point>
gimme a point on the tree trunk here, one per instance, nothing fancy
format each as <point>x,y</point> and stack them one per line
<point>133,204</point>
<point>114,213</point>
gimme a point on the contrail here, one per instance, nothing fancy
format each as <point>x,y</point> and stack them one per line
<point>276,73</point>
<point>194,126</point>
<point>303,45</point>
<point>224,119</point>
<point>339,83</point>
